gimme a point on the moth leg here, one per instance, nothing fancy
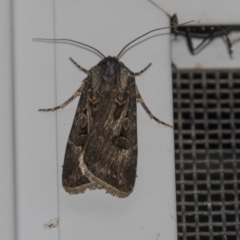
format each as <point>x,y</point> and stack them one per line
<point>142,71</point>
<point>77,65</point>
<point>139,99</point>
<point>76,94</point>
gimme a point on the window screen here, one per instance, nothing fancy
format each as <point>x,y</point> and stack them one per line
<point>207,153</point>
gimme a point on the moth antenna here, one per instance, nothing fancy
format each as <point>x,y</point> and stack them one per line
<point>174,26</point>
<point>69,40</point>
<point>173,18</point>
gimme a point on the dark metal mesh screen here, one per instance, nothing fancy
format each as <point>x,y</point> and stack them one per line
<point>207,152</point>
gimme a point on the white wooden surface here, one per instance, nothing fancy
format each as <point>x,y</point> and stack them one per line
<point>34,133</point>
<point>40,75</point>
<point>44,77</point>
<point>108,26</point>
<point>7,196</point>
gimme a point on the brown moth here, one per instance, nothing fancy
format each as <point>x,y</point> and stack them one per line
<point>101,150</point>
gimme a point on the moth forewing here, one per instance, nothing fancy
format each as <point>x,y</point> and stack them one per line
<point>72,175</point>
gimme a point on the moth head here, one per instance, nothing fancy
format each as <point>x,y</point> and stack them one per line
<point>110,74</point>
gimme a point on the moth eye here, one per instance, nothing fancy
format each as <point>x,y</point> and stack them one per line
<point>83,120</point>
<point>125,124</point>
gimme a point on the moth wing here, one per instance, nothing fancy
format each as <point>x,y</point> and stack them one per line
<point>73,179</point>
<point>110,156</point>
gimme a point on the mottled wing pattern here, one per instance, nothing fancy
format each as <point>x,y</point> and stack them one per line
<point>110,154</point>
<point>102,148</point>
<point>73,180</point>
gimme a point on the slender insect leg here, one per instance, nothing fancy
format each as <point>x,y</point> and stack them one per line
<point>139,99</point>
<point>229,43</point>
<point>200,45</point>
<point>139,73</point>
<point>174,66</point>
<point>76,94</point>
<point>209,38</point>
<point>189,42</point>
<point>81,68</point>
